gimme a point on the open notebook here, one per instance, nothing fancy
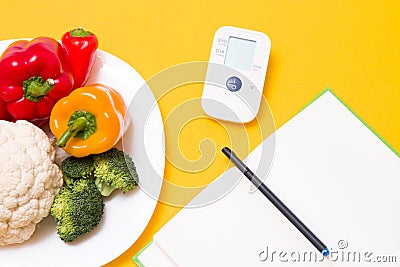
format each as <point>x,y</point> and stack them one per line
<point>332,171</point>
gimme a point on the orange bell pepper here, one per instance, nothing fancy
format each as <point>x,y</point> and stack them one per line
<point>88,121</point>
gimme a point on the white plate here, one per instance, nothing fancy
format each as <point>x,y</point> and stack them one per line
<point>125,215</point>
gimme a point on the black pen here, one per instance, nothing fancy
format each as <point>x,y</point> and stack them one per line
<point>276,201</point>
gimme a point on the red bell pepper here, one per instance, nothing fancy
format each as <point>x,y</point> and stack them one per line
<point>34,75</point>
<point>81,47</point>
<point>3,111</point>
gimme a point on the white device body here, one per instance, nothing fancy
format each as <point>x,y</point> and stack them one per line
<point>236,74</point>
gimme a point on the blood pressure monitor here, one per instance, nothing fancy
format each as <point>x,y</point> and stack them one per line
<point>236,74</point>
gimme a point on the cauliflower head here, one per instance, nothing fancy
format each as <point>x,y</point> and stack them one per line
<point>29,180</point>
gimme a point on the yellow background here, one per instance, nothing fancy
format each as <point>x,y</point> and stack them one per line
<point>349,46</point>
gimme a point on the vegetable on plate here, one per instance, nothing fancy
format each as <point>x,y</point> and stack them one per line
<point>3,111</point>
<point>34,75</point>
<point>77,168</point>
<point>110,170</point>
<point>81,47</point>
<point>29,180</point>
<point>114,169</point>
<point>77,209</point>
<point>88,121</point>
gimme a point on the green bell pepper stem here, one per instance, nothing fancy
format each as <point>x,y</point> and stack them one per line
<point>78,126</point>
<point>79,32</point>
<point>35,88</point>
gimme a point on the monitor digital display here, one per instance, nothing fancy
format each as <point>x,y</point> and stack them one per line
<point>240,53</point>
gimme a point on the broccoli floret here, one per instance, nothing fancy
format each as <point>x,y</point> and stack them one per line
<point>114,169</point>
<point>75,168</point>
<point>77,209</point>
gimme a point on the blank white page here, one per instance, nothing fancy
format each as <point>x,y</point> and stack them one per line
<point>152,255</point>
<point>336,175</point>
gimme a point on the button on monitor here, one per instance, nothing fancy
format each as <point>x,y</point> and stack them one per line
<point>233,84</point>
